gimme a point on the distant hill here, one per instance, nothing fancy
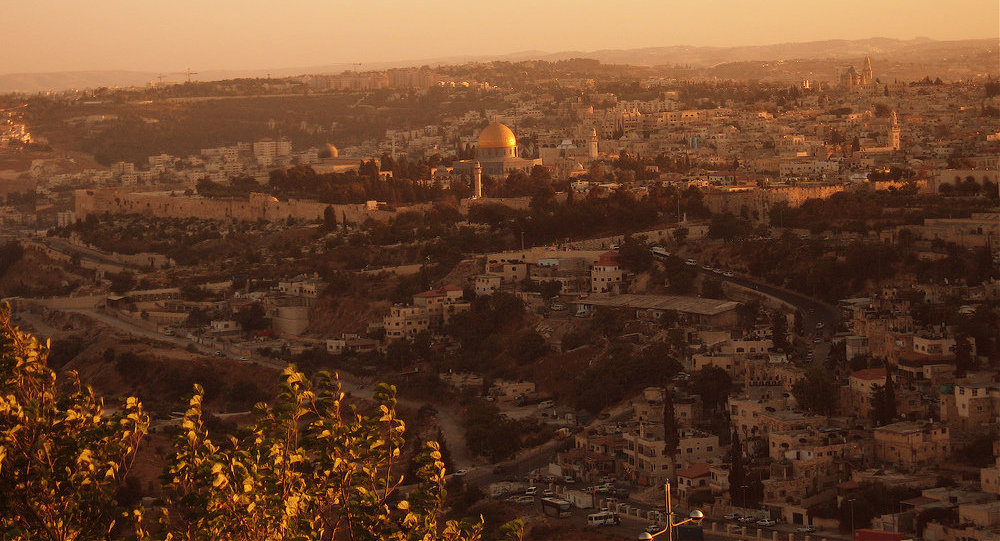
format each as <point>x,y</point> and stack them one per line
<point>957,59</point>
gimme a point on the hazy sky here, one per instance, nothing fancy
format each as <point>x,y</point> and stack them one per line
<point>171,35</point>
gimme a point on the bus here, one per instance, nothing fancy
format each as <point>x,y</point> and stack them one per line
<point>660,252</point>
<point>555,507</point>
<point>604,518</point>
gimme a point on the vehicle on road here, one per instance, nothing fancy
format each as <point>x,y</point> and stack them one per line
<point>805,529</point>
<point>604,518</point>
<point>734,528</point>
<point>732,516</point>
<point>531,491</point>
<point>654,528</point>
<point>569,480</point>
<point>524,499</point>
<point>691,262</point>
<point>747,520</point>
<point>556,507</point>
<point>766,523</point>
<point>728,274</point>
<point>218,353</point>
<point>557,307</point>
<point>660,252</point>
<point>460,473</point>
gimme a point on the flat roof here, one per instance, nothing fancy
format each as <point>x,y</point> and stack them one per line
<point>690,305</point>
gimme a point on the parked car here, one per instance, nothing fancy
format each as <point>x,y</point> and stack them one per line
<point>732,516</point>
<point>747,520</point>
<point>653,528</point>
<point>460,473</point>
<point>569,480</point>
<point>805,529</point>
<point>531,491</point>
<point>766,523</point>
<point>691,262</point>
<point>524,499</point>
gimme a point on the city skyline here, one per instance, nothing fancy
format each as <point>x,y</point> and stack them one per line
<point>172,37</point>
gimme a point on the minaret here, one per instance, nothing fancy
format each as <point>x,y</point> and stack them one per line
<point>894,132</point>
<point>592,144</point>
<point>477,181</point>
<point>867,77</point>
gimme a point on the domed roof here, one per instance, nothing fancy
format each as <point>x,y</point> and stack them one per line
<point>496,135</point>
<point>334,153</point>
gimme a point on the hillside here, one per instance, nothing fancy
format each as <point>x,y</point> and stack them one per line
<point>967,57</point>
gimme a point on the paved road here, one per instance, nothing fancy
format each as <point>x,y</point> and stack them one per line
<point>813,311</point>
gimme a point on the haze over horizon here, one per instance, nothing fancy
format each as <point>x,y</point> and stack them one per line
<point>59,35</point>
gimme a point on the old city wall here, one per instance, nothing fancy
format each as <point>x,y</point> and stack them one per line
<point>756,203</point>
<point>257,207</point>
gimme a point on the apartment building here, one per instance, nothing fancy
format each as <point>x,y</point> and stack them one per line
<point>909,444</point>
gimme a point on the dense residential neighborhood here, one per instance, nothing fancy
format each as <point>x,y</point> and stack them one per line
<point>777,300</point>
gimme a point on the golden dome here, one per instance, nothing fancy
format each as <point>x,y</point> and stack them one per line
<point>496,135</point>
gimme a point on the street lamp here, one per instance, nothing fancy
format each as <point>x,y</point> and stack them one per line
<point>696,516</point>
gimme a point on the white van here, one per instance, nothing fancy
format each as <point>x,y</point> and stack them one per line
<point>604,518</point>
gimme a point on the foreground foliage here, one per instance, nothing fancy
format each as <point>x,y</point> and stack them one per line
<point>62,457</point>
<point>310,468</point>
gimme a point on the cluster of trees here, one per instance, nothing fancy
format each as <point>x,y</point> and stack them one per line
<point>811,268</point>
<point>495,436</point>
<point>10,253</point>
<point>310,467</point>
<point>358,186</point>
<point>623,370</point>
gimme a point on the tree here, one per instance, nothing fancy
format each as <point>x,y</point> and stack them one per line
<point>549,288</point>
<point>122,282</point>
<point>671,439</point>
<point>712,289</point>
<point>329,218</point>
<point>884,401</point>
<point>779,330</point>
<point>528,347</point>
<point>310,468</point>
<point>737,471</point>
<point>713,385</point>
<point>252,317</point>
<point>818,392</point>
<point>680,234</point>
<point>634,255</point>
<point>10,253</point>
<point>61,459</point>
<point>963,355</point>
